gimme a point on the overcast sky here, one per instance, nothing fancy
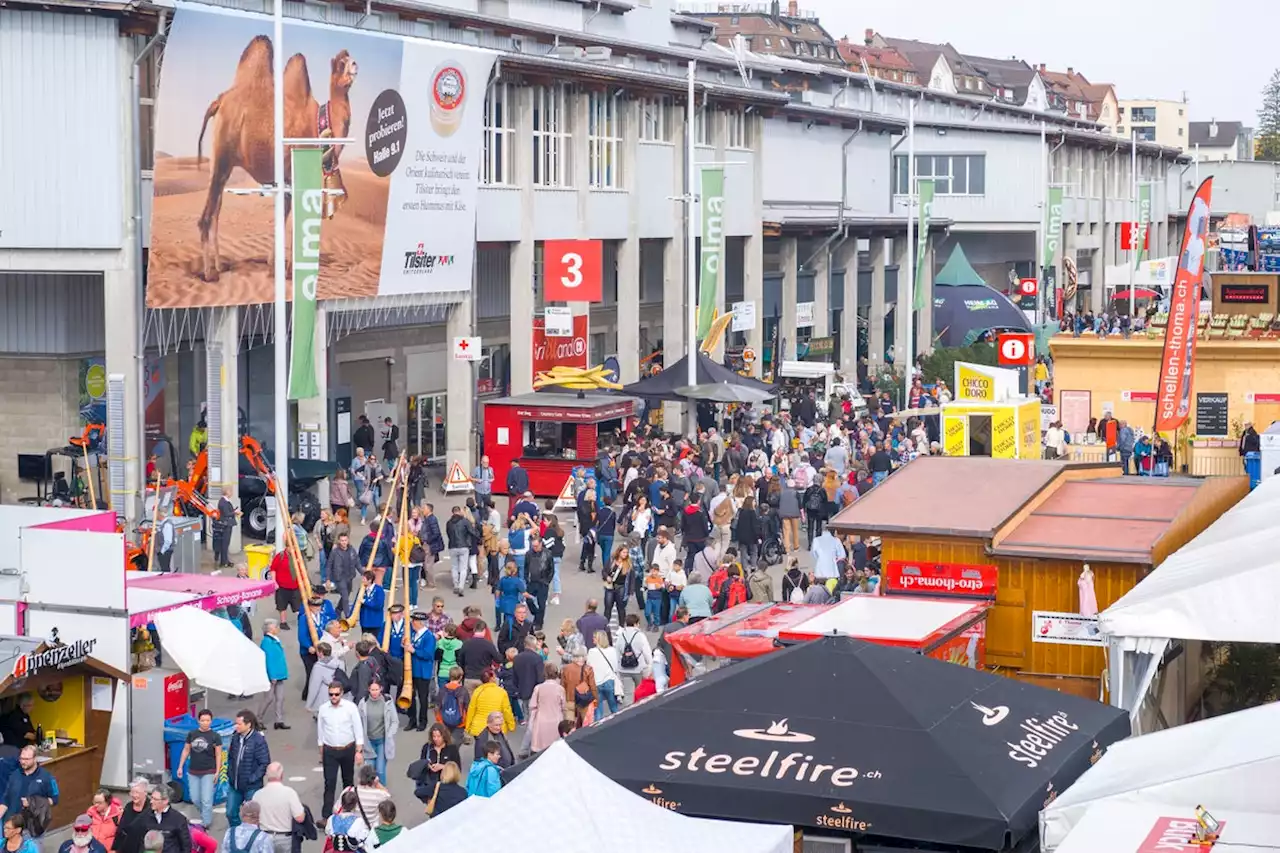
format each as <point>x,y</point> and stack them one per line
<point>1147,50</point>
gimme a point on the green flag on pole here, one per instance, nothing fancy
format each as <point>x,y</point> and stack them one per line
<point>925,189</point>
<point>1144,223</point>
<point>712,247</point>
<point>308,213</point>
<point>1053,227</point>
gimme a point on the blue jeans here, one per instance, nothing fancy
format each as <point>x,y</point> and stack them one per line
<point>878,477</point>
<point>653,609</point>
<point>555,581</point>
<point>606,552</point>
<point>201,790</point>
<point>518,559</point>
<point>607,697</point>
<point>324,573</point>
<point>1124,461</point>
<point>234,799</point>
<point>377,756</point>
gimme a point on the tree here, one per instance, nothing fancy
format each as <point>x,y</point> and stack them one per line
<point>1267,146</point>
<point>941,363</point>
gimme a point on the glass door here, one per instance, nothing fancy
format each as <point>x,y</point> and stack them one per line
<point>431,426</point>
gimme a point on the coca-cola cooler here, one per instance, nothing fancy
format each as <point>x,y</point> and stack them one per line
<point>158,695</point>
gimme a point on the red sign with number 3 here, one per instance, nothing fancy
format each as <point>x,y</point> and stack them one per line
<point>572,270</point>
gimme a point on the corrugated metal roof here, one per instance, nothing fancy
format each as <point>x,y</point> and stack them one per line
<point>949,496</point>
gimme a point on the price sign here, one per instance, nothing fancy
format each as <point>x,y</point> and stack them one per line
<point>1016,349</point>
<point>572,270</point>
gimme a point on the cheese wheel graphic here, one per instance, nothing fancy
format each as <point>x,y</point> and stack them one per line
<point>448,97</point>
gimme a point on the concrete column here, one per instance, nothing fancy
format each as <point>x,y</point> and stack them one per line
<point>788,258</point>
<point>875,319</point>
<point>822,294</point>
<point>460,385</point>
<point>924,317</point>
<point>753,291</point>
<point>120,295</point>
<point>316,410</point>
<point>224,459</point>
<point>521,299</point>
<point>674,319</point>
<point>902,311</point>
<point>846,258</point>
<point>674,296</point>
<point>628,321</point>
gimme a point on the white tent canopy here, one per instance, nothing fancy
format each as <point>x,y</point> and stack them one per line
<point>596,814</point>
<point>1222,586</point>
<point>1224,763</point>
<point>1129,827</point>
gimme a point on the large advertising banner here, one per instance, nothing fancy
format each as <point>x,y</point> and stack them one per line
<point>1177,362</point>
<point>399,202</point>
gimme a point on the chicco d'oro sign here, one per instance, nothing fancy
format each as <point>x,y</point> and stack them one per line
<point>58,657</point>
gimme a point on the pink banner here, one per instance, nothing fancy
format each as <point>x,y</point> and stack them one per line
<point>208,592</point>
<point>99,522</point>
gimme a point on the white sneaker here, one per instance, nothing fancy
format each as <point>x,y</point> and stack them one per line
<point>422,583</point>
<point>555,600</point>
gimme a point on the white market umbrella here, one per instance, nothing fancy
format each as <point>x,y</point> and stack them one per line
<point>212,651</point>
<point>721,392</point>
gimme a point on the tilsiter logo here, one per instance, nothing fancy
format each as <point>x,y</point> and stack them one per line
<point>418,261</point>
<point>991,716</point>
<point>777,733</point>
<point>794,766</point>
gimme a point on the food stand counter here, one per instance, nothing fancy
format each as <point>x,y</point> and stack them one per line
<point>72,696</point>
<point>551,433</point>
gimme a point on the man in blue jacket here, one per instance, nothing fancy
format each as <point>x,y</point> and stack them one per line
<point>30,780</point>
<point>384,557</point>
<point>277,672</point>
<point>395,644</point>
<point>247,760</point>
<point>423,666</point>
<point>320,611</point>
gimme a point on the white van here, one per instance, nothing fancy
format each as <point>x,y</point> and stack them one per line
<point>818,376</point>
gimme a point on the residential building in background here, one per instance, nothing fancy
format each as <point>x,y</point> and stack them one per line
<point>1214,141</point>
<point>884,63</point>
<point>1073,94</point>
<point>1011,81</point>
<point>769,29</point>
<point>1162,122</point>
<point>938,66</point>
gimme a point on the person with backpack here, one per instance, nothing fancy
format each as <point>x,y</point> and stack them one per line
<point>635,656</point>
<point>579,684</point>
<point>451,709</point>
<point>485,778</point>
<point>248,837</point>
<point>346,831</point>
<point>733,591</point>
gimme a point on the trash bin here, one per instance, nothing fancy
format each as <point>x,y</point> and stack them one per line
<point>175,738</point>
<point>259,560</point>
<point>1253,467</point>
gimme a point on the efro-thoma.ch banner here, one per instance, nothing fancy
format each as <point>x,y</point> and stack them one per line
<point>404,221</point>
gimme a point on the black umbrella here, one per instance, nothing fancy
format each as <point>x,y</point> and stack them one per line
<point>842,734</point>
<point>964,306</point>
<point>667,384</point>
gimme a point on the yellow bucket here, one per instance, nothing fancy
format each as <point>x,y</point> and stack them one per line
<point>259,559</point>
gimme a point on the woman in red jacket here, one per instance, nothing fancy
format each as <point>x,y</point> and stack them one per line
<point>105,816</point>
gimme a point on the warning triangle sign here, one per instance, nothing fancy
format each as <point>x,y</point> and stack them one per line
<point>568,497</point>
<point>457,480</point>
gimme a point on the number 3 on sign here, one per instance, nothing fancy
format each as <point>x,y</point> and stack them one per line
<point>572,270</point>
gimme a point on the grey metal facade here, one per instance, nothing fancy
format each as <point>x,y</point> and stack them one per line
<point>65,111</point>
<point>51,314</point>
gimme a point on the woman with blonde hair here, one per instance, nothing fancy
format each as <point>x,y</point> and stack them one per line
<point>603,660</point>
<point>448,792</point>
<point>616,576</point>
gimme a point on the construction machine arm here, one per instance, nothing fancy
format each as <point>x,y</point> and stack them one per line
<point>251,449</point>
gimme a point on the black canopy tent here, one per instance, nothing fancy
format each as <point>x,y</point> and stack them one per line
<point>844,735</point>
<point>665,385</point>
<point>965,306</point>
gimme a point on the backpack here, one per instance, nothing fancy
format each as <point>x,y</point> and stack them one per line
<point>582,693</point>
<point>629,659</point>
<point>732,593</point>
<point>232,847</point>
<point>451,708</point>
<point>815,499</point>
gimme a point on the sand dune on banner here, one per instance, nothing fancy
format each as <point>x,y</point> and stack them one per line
<point>350,250</point>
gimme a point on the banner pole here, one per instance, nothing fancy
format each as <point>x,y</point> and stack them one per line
<point>1042,228</point>
<point>1133,234</point>
<point>908,319</point>
<point>281,318</point>
<point>691,239</point>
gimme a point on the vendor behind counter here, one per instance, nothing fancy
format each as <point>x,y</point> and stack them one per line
<point>16,726</point>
